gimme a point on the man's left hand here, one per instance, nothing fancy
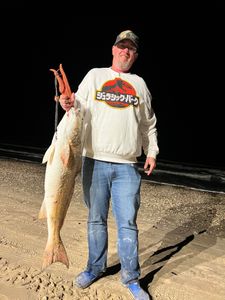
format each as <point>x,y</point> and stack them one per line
<point>150,165</point>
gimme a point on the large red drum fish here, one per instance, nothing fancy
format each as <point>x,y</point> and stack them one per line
<point>63,159</point>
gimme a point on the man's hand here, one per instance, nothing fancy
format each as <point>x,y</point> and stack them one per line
<point>67,102</point>
<point>150,165</point>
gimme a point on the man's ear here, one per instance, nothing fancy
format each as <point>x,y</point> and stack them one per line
<point>136,56</point>
<point>113,47</point>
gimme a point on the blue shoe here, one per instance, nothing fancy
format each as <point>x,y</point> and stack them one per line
<point>84,279</point>
<point>136,291</point>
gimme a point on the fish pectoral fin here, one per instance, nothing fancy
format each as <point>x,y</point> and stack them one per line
<point>42,213</point>
<point>66,155</point>
<point>55,253</point>
<point>49,154</point>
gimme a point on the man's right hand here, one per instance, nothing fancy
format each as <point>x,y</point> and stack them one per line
<point>67,102</point>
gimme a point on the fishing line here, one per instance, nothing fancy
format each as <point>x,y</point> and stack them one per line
<point>56,105</point>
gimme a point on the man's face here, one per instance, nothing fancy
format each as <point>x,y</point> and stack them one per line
<point>124,54</point>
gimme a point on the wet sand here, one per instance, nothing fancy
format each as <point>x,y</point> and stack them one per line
<point>181,232</point>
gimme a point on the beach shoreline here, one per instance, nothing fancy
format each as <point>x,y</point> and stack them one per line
<point>181,233</point>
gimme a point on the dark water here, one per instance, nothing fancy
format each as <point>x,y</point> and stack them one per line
<point>173,173</point>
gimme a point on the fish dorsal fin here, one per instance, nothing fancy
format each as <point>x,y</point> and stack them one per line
<point>49,154</point>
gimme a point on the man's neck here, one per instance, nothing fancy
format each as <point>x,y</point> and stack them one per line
<point>118,70</point>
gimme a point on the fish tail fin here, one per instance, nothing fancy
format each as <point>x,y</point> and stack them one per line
<point>55,253</point>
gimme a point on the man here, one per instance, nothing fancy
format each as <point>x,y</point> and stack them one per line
<point>119,121</point>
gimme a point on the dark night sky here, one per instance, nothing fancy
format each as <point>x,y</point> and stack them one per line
<point>181,59</point>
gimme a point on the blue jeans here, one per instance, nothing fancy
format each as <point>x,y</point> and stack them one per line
<point>119,182</point>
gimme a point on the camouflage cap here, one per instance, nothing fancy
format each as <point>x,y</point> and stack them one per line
<point>129,35</point>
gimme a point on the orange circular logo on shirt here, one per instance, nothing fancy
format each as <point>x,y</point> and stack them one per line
<point>118,93</point>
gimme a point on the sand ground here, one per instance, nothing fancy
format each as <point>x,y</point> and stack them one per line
<point>181,232</point>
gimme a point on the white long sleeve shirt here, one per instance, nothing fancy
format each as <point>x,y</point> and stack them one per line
<point>119,120</point>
